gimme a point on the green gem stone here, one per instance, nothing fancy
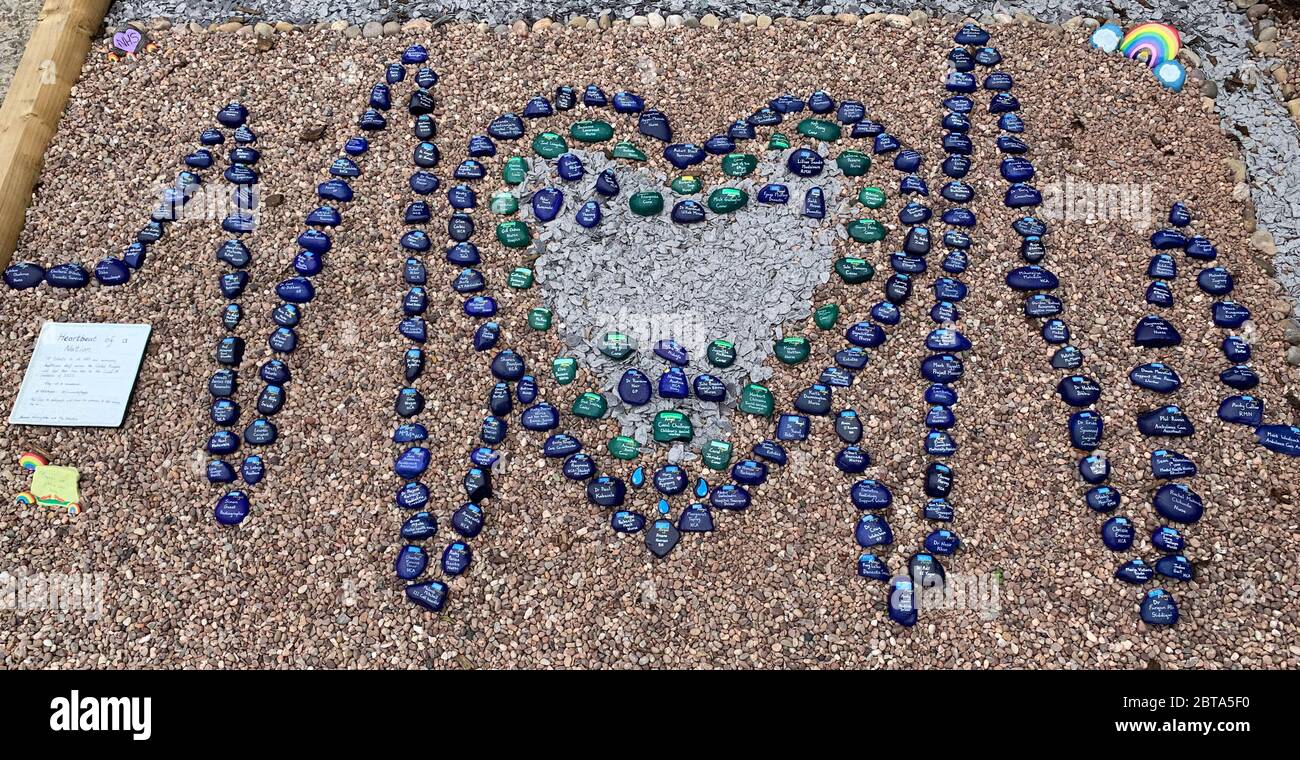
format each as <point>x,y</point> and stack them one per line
<point>820,129</point>
<point>564,369</point>
<point>755,399</point>
<point>854,163</point>
<point>826,316</point>
<point>504,202</point>
<point>871,197</point>
<point>623,447</point>
<point>591,131</point>
<point>721,353</point>
<point>549,145</point>
<point>590,405</point>
<point>854,271</point>
<point>617,346</point>
<point>739,164</point>
<point>514,171</point>
<point>778,141</point>
<point>514,234</point>
<point>521,277</point>
<point>687,185</point>
<point>672,426</point>
<point>717,455</point>
<point>724,200</point>
<point>539,318</point>
<point>865,230</point>
<point>627,150</point>
<point>646,203</point>
<point>792,350</point>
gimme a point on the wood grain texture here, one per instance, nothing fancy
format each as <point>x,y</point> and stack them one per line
<point>37,96</point>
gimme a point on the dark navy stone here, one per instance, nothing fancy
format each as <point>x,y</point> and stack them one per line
<point>872,530</point>
<point>220,472</point>
<point>956,166</point>
<point>958,104</point>
<point>335,190</point>
<point>1163,240</point>
<point>508,365</point>
<point>413,272</point>
<point>1003,102</point>
<point>1176,566</point>
<point>938,480</point>
<point>1094,468</point>
<point>774,193</point>
<point>688,212</point>
<point>1102,499</point>
<point>852,460</point>
<point>1236,349</point>
<point>356,146</point>
<point>634,387</point>
<point>939,443</point>
<point>912,185</point>
<point>570,167</point>
<point>1169,465</point>
<point>749,472</point>
<point>1167,539</point>
<point>653,123</point>
<point>1079,391</point>
<point>673,384</point>
<point>901,604</point>
<point>942,368</point>
<point>270,400</point>
<point>941,395</point>
<point>478,484</point>
<point>561,445</point>
<point>469,169</point>
<point>605,491</point>
<point>456,558</point>
<point>325,216</point>
<point>1216,281</point>
<point>709,388</point>
<point>1155,332</point>
<point>884,143</point>
<point>917,241</point>
<point>836,377</point>
<point>224,411</point>
<point>944,339</point>
<point>628,102</point>
<point>1067,357</point>
<point>1134,571</point>
<point>1160,294</point>
<point>848,426</point>
<point>222,442</point>
<point>1056,332</point>
<point>412,496</point>
<point>500,402</point>
<point>942,542</point>
<point>260,432</point>
<point>865,334</point>
<point>940,417</point>
<point>948,289</point>
<point>537,107</point>
<point>232,508</point>
<point>814,400</point>
<point>661,538</point>
<point>464,254</point>
<point>765,117</point>
<point>959,217</point>
<point>696,518</point>
<point>898,288</point>
<point>1117,534</point>
<point>231,316</point>
<point>954,122</point>
<point>684,155</point>
<point>415,301</point>
<point>1155,376</point>
<point>579,467</point>
<point>1243,410</point>
<point>1032,250</point>
<point>914,213</point>
<point>540,417</point>
<point>493,430</point>
<point>1229,314</point>
<point>803,162</point>
<point>480,306</point>
<point>939,510</point>
<point>296,290</point>
<point>792,427</point>
<point>547,203</point>
<point>526,389</point>
<point>1238,376</point>
<point>230,351</point>
<point>1031,278</point>
<point>624,521</point>
<point>1086,430</point>
<point>463,197</point>
<point>957,192</point>
<point>107,272</point>
<point>719,145</point>
<point>468,520</point>
<point>413,432</point>
<point>431,595</point>
<point>412,364</point>
<point>771,451</point>
<point>814,203</point>
<point>886,313</point>
<point>411,562</point>
<point>1177,502</point>
<point>1165,421</point>
<point>68,276</point>
<point>275,372</point>
<point>851,358</point>
<point>669,480</point>
<point>960,81</point>
<point>607,183</point>
<point>730,497</point>
<point>418,527</point>
<point>866,128</point>
<point>944,312</point>
<point>589,214</point>
<point>1200,248</point>
<point>424,183</point>
<point>409,403</point>
<point>506,127</point>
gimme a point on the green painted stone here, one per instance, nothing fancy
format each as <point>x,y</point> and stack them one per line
<point>504,202</point>
<point>514,171</point>
<point>521,277</point>
<point>854,163</point>
<point>792,350</point>
<point>646,203</point>
<point>564,369</point>
<point>854,271</point>
<point>778,141</point>
<point>550,145</point>
<point>717,455</point>
<point>871,197</point>
<point>721,353</point>
<point>672,426</point>
<point>826,316</point>
<point>820,129</point>
<point>865,230</point>
<point>755,399</point>
<point>739,164</point>
<point>617,346</point>
<point>623,447</point>
<point>514,234</point>
<point>590,405</point>
<point>627,150</point>
<point>591,131</point>
<point>539,318</point>
<point>724,200</point>
<point>687,184</point>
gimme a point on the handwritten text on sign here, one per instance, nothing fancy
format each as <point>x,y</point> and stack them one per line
<point>81,374</point>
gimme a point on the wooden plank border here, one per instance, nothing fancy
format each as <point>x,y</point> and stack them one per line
<point>38,93</point>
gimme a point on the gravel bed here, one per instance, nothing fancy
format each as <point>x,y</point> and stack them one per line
<point>307,581</point>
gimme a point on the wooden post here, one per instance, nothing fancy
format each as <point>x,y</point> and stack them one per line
<point>37,96</point>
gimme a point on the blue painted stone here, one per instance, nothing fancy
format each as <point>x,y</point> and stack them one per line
<point>624,521</point>
<point>526,389</point>
<point>684,155</point>
<point>944,312</point>
<point>938,443</point>
<point>415,302</point>
<point>1282,439</point>
<point>852,460</point>
<point>942,542</point>
<point>741,129</point>
<point>605,491</point>
<point>848,426</point>
<point>960,81</point>
<point>886,313</point>
<point>579,467</point>
<point>1167,539</point>
<point>537,107</point>
<point>1016,169</point>
<point>1086,430</point>
<point>1176,567</point>
<point>481,146</point>
<point>411,563</point>
<point>673,384</point>
<point>1200,248</point>
<point>870,494</point>
<point>1155,332</point>
<point>107,272</point>
<point>971,34</point>
<point>998,81</point>
<point>956,166</point>
<point>803,162</point>
<point>431,595</point>
<point>959,217</point>
<point>898,288</point>
<point>561,445</point>
<point>270,400</point>
<point>469,169</point>
<point>792,427</point>
<point>1028,226</point>
<point>260,432</point>
<point>220,472</point>
<point>1021,195</point>
<point>1162,240</point>
<point>1239,377</point>
<point>957,192</point>
<point>1056,332</point>
<point>912,185</point>
<point>456,558</point>
<point>719,145</point>
<point>411,432</point>
<point>275,372</point>
<point>1216,281</point>
<point>463,197</point>
<point>942,368</point>
<point>68,276</point>
<point>653,123</point>
<point>1242,410</point>
<point>506,127</point>
<point>814,203</point>
<point>672,352</point>
<point>480,306</point>
<point>414,273</point>
<point>836,377</point>
<point>296,290</point>
<point>814,400</point>
<point>499,400</point>
<point>628,102</point>
<point>324,216</point>
<point>409,402</point>
<point>540,417</point>
<point>729,497</point>
<point>232,284</point>
<point>315,241</point>
<point>1102,499</point>
<point>851,358</point>
<point>222,383</point>
<point>669,480</point>
<point>1229,314</point>
<point>493,430</point>
<point>478,484</point>
<point>468,520</point>
<point>872,530</point>
<point>547,203</point>
<point>865,334</point>
<point>232,508</point>
<point>688,212</point>
<point>1117,534</point>
<point>222,442</point>
<point>224,411</point>
<point>1032,250</point>
<point>1032,277</point>
<point>941,395</point>
<point>356,146</point>
<point>1177,502</point>
<point>1236,349</point>
<point>463,254</point>
<point>1155,376</point>
<point>866,128</point>
<point>885,143</point>
<point>914,213</point>
<point>335,190</point>
<point>508,365</point>
<point>1160,294</point>
<point>570,167</point>
<point>1094,468</point>
<point>765,117</point>
<point>917,241</point>
<point>774,193</point>
<point>634,387</point>
<point>607,183</point>
<point>1003,102</point>
<point>1165,421</point>
<point>696,518</point>
<point>1179,215</point>
<point>771,451</point>
<point>418,527</point>
<point>1134,571</point>
<point>953,122</point>
<point>901,603</point>
<point>939,510</point>
<point>1169,465</point>
<point>589,214</point>
<point>940,417</point>
<point>1079,391</point>
<point>749,472</point>
<point>944,339</point>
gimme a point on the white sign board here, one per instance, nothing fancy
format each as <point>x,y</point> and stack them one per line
<point>81,374</point>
